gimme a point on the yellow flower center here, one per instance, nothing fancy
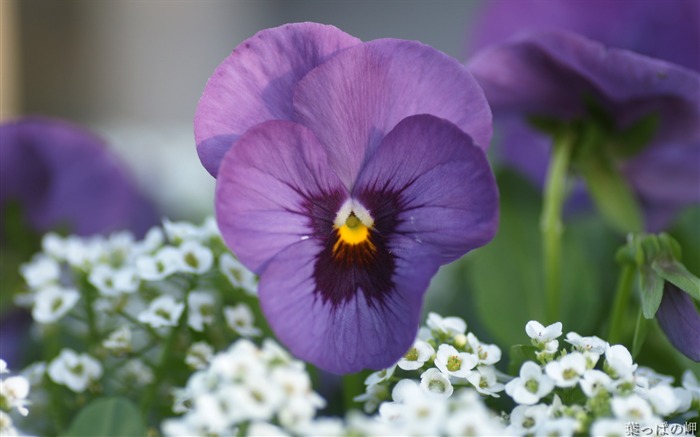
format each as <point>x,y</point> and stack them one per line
<point>353,231</point>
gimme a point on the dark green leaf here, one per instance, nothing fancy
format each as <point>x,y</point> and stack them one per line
<point>652,290</point>
<point>640,334</point>
<point>635,138</point>
<point>107,417</point>
<point>676,273</point>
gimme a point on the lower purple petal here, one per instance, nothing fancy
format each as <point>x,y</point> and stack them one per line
<point>680,320</point>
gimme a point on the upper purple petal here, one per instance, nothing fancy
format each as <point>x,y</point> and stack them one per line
<point>268,183</point>
<point>680,321</point>
<point>356,334</point>
<point>62,175</point>
<point>256,81</point>
<point>355,98</point>
<point>447,196</point>
<point>551,73</point>
<point>667,30</point>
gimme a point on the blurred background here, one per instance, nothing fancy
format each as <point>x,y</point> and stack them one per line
<point>133,70</point>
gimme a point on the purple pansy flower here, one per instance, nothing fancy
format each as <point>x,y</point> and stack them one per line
<point>63,177</point>
<point>347,173</point>
<point>549,74</point>
<point>680,321</point>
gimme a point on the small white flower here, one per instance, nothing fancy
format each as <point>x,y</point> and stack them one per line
<point>631,408</point>
<point>380,375</point>
<point>473,422</point>
<point>135,373</point>
<point>84,252</point>
<point>162,311</point>
<point>595,381</point>
<point>200,309</point>
<point>40,272</point>
<point>618,362</point>
<point>653,378</point>
<point>179,232</point>
<point>54,246</point>
<point>199,355</point>
<point>487,354</point>
<point>485,382</point>
<point>414,409</point>
<point>151,242</point>
<point>261,398</point>
<point>451,362</point>
<point>662,399</point>
<point>74,370</point>
<point>7,428</point>
<point>53,302</point>
<point>567,370</point>
<point>531,386</point>
<point>164,263</point>
<point>416,357</point>
<point>264,429</point>
<point>526,419</point>
<point>3,367</point>
<point>685,399</point>
<point>196,258</point>
<point>13,393</point>
<point>374,395</point>
<point>446,325</point>
<point>435,382</point>
<point>562,426</point>
<point>541,334</point>
<point>112,282</point>
<point>119,341</point>
<point>606,427</point>
<point>690,383</point>
<point>237,274</point>
<point>240,319</point>
<point>591,344</point>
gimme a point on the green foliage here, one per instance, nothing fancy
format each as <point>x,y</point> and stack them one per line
<point>107,417</point>
<point>519,353</point>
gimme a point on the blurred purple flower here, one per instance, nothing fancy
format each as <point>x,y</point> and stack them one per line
<point>668,30</point>
<point>340,191</point>
<point>680,321</point>
<point>556,74</point>
<point>64,177</point>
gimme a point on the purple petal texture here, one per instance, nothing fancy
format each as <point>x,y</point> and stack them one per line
<point>347,190</point>
<point>265,183</point>
<point>449,199</point>
<point>359,95</point>
<point>549,73</point>
<point>680,320</point>
<point>256,83</point>
<point>355,335</point>
<point>63,175</point>
<point>667,30</point>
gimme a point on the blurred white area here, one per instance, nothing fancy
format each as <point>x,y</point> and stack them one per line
<point>133,70</point>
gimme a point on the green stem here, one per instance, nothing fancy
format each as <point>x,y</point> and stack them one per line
<point>622,297</point>
<point>551,226</point>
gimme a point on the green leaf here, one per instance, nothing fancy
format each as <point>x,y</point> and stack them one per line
<point>676,273</point>
<point>640,334</point>
<point>652,290</point>
<point>635,138</point>
<point>519,353</point>
<point>108,417</point>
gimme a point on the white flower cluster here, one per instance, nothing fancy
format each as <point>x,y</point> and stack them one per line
<point>608,389</point>
<point>113,309</point>
<point>246,387</point>
<point>14,391</point>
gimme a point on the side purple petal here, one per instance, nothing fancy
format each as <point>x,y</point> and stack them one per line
<point>447,194</point>
<point>267,188</point>
<point>550,73</point>
<point>63,175</point>
<point>256,81</point>
<point>667,30</point>
<point>680,320</point>
<point>358,96</point>
<point>352,336</point>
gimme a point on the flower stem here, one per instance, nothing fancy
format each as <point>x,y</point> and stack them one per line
<point>622,296</point>
<point>551,224</point>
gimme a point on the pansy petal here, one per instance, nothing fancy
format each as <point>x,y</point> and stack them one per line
<point>680,320</point>
<point>354,99</point>
<point>63,176</point>
<point>350,336</point>
<point>268,187</point>
<point>255,83</point>
<point>446,196</point>
<point>551,73</point>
